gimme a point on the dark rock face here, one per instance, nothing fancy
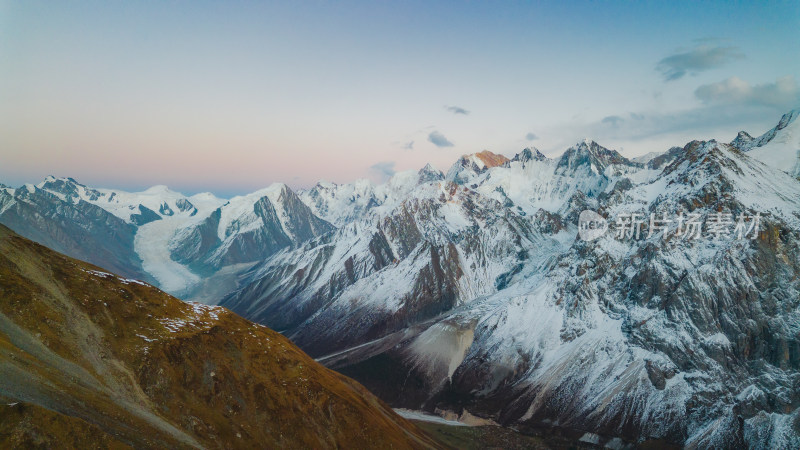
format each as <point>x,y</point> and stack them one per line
<point>592,154</point>
<point>529,154</point>
<point>742,140</point>
<point>185,205</point>
<point>664,159</point>
<point>165,210</point>
<point>302,224</point>
<point>202,249</point>
<point>198,243</point>
<point>259,243</point>
<point>146,215</point>
<point>434,291</point>
<point>428,174</point>
<point>80,229</point>
<point>314,293</point>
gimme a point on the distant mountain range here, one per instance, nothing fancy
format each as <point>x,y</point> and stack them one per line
<point>470,293</point>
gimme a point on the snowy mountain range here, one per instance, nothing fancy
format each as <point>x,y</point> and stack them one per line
<point>469,293</point>
<point>185,245</point>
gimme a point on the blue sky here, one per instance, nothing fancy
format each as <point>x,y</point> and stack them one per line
<point>232,96</point>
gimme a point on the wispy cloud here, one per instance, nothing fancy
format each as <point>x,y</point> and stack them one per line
<point>699,59</point>
<point>439,140</point>
<point>408,145</point>
<point>783,92</point>
<point>614,121</point>
<point>531,137</point>
<point>457,110</point>
<point>384,170</point>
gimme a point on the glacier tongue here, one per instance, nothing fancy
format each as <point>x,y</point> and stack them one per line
<point>152,244</point>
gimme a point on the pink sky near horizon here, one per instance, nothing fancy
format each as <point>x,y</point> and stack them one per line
<point>231,97</point>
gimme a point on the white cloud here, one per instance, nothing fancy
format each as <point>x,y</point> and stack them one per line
<point>782,93</point>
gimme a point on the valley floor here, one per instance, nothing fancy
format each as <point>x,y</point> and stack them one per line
<point>462,437</point>
<point>492,437</point>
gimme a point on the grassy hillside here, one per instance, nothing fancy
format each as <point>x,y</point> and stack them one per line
<point>87,353</point>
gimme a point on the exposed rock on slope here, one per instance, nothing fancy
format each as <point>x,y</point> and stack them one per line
<point>80,229</point>
<point>25,425</point>
<point>84,351</point>
<point>174,241</point>
<point>690,342</point>
<point>429,254</point>
<point>247,229</point>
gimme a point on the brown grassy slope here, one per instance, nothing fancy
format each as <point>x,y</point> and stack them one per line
<point>23,425</point>
<point>152,371</point>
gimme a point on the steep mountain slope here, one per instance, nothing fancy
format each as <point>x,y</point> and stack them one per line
<point>247,229</point>
<point>532,182</point>
<point>24,425</point>
<point>690,342</point>
<point>443,246</point>
<point>475,163</point>
<point>80,229</point>
<point>84,351</point>
<point>174,241</point>
<point>778,147</point>
<point>341,204</point>
<point>429,248</point>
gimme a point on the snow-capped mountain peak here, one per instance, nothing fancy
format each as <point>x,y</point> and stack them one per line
<point>778,147</point>
<point>428,174</point>
<point>591,153</point>
<point>158,189</point>
<point>245,213</point>
<point>468,167</point>
<point>529,154</point>
<point>742,140</point>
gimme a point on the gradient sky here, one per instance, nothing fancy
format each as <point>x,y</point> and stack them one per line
<point>230,96</point>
